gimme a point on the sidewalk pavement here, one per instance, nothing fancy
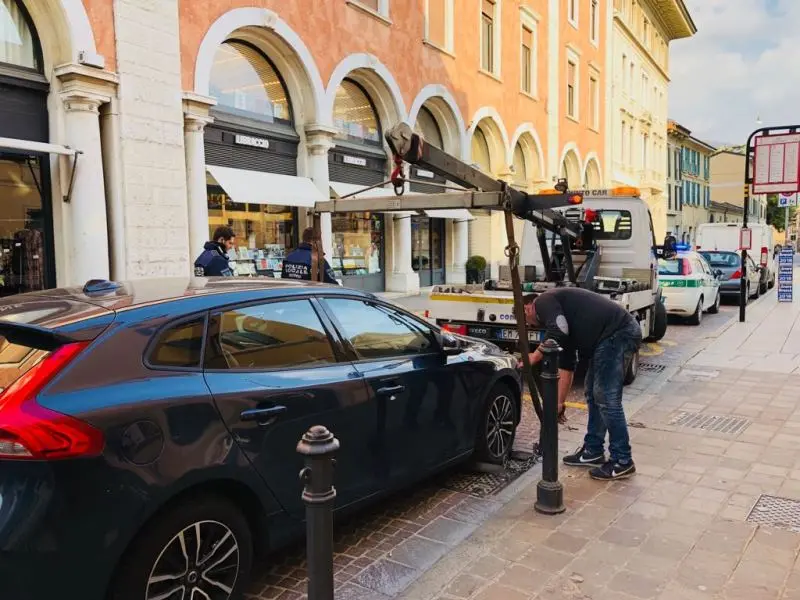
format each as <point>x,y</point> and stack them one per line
<point>713,512</point>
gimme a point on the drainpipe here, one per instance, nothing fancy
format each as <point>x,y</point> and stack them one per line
<point>110,140</point>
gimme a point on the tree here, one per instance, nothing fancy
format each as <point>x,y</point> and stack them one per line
<point>776,215</point>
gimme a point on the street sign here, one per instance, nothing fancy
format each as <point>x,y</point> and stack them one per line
<point>745,238</point>
<point>785,274</point>
<point>777,164</point>
<point>786,200</point>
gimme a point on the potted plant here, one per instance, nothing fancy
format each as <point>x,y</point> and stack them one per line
<point>476,269</point>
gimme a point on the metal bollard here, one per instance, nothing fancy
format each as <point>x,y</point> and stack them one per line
<point>549,491</point>
<point>318,446</point>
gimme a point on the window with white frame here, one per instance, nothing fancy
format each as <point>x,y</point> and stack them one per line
<point>630,145</point>
<point>594,21</point>
<point>645,88</point>
<point>490,36</point>
<point>594,98</point>
<point>646,33</point>
<point>439,23</point>
<point>529,55</point>
<point>645,142</point>
<point>572,87</point>
<point>623,142</point>
<point>631,71</point>
<point>379,7</point>
<point>572,12</point>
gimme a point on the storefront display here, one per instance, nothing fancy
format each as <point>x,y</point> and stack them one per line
<point>427,249</point>
<point>357,244</point>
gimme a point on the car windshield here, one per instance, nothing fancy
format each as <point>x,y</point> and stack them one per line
<point>672,266</point>
<point>721,259</point>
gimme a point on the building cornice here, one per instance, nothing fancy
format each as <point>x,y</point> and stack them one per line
<point>678,23</point>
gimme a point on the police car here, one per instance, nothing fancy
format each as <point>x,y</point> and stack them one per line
<point>690,287</point>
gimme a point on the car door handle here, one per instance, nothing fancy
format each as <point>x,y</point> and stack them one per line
<point>391,390</point>
<point>262,416</point>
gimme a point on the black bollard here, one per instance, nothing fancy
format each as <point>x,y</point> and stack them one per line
<point>549,491</point>
<point>318,446</point>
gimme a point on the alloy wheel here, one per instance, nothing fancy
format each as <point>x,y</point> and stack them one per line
<point>500,426</point>
<point>200,563</point>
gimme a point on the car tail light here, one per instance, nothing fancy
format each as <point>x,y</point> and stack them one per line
<point>686,268</point>
<point>736,274</point>
<point>29,431</point>
<point>764,256</point>
<point>459,329</point>
<point>697,247</point>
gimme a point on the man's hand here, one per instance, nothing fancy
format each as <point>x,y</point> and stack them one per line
<point>534,357</point>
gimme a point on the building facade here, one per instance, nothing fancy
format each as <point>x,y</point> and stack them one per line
<point>129,130</point>
<point>688,182</point>
<point>727,188</point>
<point>637,116</point>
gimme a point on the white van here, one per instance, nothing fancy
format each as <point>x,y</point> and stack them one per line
<point>725,236</point>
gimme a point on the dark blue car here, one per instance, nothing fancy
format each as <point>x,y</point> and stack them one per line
<point>148,430</point>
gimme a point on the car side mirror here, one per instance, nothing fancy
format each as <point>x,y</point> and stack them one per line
<point>450,345</point>
<point>717,273</point>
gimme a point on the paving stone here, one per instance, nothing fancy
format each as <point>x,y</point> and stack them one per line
<point>497,591</point>
<point>464,586</point>
<point>635,585</point>
<point>418,552</point>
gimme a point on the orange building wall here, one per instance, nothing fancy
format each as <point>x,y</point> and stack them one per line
<point>332,30</point>
<point>101,16</point>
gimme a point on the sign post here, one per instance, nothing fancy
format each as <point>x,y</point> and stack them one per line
<point>785,274</point>
<point>771,166</point>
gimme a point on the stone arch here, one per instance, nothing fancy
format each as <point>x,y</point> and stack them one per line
<point>570,165</point>
<point>438,99</point>
<point>63,28</point>
<point>527,138</point>
<point>491,124</point>
<point>265,30</point>
<point>376,79</point>
<point>592,175</point>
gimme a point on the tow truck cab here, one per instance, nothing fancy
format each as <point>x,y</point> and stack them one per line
<point>621,262</point>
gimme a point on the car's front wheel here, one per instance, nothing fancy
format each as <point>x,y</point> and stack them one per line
<point>498,426</point>
<point>202,549</point>
<point>697,317</point>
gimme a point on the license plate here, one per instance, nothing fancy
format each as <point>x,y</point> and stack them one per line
<point>513,335</point>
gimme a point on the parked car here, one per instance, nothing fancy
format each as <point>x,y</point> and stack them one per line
<point>729,264</point>
<point>148,431</point>
<point>689,285</point>
<point>725,236</point>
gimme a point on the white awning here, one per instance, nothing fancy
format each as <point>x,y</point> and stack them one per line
<point>256,187</point>
<point>36,147</point>
<point>459,214</point>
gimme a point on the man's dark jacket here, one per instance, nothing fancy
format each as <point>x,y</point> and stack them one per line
<point>213,262</point>
<point>298,265</point>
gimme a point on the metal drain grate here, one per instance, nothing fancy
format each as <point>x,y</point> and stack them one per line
<point>651,367</point>
<point>774,511</point>
<point>482,485</point>
<point>717,423</point>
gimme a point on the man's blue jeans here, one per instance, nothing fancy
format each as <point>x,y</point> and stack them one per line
<point>604,381</point>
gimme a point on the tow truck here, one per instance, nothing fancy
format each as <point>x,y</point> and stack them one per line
<point>569,240</point>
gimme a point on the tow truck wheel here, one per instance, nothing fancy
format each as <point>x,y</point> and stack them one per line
<point>659,329</point>
<point>498,426</point>
<point>632,369</point>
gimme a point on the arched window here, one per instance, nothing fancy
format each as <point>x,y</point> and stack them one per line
<point>428,128</point>
<point>244,82</point>
<point>520,167</point>
<point>354,114</point>
<point>19,45</point>
<point>480,151</point>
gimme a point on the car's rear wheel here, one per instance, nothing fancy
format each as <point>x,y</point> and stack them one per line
<point>498,426</point>
<point>715,307</point>
<point>198,550</point>
<point>697,317</point>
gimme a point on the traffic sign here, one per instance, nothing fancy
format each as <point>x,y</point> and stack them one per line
<point>777,164</point>
<point>745,238</point>
<point>785,274</point>
<point>786,200</point>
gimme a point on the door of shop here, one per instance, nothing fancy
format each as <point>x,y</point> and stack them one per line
<point>427,250</point>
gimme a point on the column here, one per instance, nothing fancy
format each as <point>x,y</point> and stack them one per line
<point>195,119</point>
<point>403,278</point>
<point>460,251</point>
<point>319,140</point>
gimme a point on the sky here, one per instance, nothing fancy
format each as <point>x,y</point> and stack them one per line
<point>743,63</point>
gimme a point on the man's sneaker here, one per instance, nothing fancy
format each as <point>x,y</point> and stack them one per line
<point>613,470</point>
<point>580,458</point>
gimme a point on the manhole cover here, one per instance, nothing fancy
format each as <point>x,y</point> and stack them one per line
<point>651,367</point>
<point>482,485</point>
<point>774,511</point>
<point>717,423</point>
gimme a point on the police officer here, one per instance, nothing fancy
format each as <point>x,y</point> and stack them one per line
<point>297,265</point>
<point>213,262</point>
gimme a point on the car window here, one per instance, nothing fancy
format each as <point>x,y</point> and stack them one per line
<point>697,266</point>
<point>269,336</point>
<point>377,332</point>
<point>721,259</point>
<point>672,266</point>
<point>179,346</point>
<point>612,224</point>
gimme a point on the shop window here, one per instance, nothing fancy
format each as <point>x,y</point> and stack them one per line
<point>354,115</point>
<point>19,45</point>
<point>244,82</point>
<point>428,128</point>
<point>480,151</point>
<point>357,243</point>
<point>263,231</point>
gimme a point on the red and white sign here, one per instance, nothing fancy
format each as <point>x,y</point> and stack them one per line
<point>777,164</point>
<point>745,238</point>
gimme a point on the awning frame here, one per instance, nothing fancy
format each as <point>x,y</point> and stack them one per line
<point>38,148</point>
